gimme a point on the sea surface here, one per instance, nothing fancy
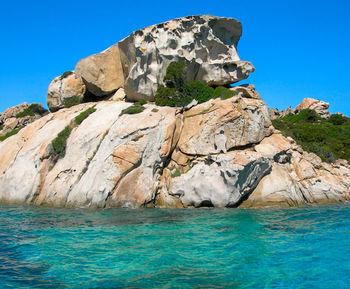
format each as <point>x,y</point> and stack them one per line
<point>305,247</point>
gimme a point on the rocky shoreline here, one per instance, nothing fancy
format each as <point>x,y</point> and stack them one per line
<point>222,153</point>
<point>97,149</point>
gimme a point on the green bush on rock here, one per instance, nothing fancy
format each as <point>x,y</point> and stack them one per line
<point>223,92</point>
<point>80,118</point>
<point>10,133</point>
<point>178,92</point>
<point>65,74</point>
<point>74,100</point>
<point>59,143</point>
<point>31,110</point>
<point>175,75</point>
<point>337,119</point>
<point>328,138</point>
<point>198,91</point>
<point>137,107</point>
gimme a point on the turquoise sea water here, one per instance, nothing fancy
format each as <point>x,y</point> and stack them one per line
<point>305,247</point>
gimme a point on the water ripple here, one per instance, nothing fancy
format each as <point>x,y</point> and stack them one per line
<point>154,248</point>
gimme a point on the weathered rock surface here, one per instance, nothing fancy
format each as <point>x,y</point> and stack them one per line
<point>218,181</point>
<point>138,62</point>
<point>274,113</point>
<point>221,125</point>
<point>118,95</point>
<point>302,179</point>
<point>207,42</point>
<point>246,90</point>
<point>110,160</point>
<point>63,88</point>
<point>9,119</point>
<point>102,72</point>
<point>222,153</point>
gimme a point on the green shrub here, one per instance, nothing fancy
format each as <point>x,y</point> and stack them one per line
<point>337,119</point>
<point>31,110</point>
<point>1,126</point>
<point>141,102</point>
<point>167,96</point>
<point>223,92</point>
<point>10,133</point>
<point>328,138</point>
<point>178,92</point>
<point>175,75</point>
<point>198,91</point>
<point>79,119</point>
<point>65,74</point>
<point>133,110</point>
<point>302,116</point>
<point>60,142</point>
<point>177,173</point>
<point>74,100</point>
<point>204,111</point>
<point>137,107</point>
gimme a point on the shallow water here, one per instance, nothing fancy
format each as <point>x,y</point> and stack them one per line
<point>305,247</point>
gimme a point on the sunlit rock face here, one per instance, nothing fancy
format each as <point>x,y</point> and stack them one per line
<point>221,153</point>
<point>63,88</point>
<point>207,42</point>
<point>139,62</point>
<point>319,106</point>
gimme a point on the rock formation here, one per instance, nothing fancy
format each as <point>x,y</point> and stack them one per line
<point>319,106</point>
<point>298,177</point>
<point>138,62</point>
<point>14,118</point>
<point>208,43</point>
<point>102,72</point>
<point>274,113</point>
<point>64,88</point>
<point>222,153</point>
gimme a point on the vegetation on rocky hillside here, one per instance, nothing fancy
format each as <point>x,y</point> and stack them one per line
<point>10,133</point>
<point>328,138</point>
<point>58,145</point>
<point>74,100</point>
<point>60,142</point>
<point>137,107</point>
<point>31,110</point>
<point>179,92</point>
<point>80,118</point>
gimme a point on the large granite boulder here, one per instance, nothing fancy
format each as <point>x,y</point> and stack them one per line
<point>64,88</point>
<point>102,72</point>
<point>139,61</point>
<point>222,125</point>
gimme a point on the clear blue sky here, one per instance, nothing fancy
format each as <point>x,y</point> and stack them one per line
<point>299,48</point>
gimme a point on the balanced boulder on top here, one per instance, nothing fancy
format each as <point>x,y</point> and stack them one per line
<point>138,63</point>
<point>207,42</point>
